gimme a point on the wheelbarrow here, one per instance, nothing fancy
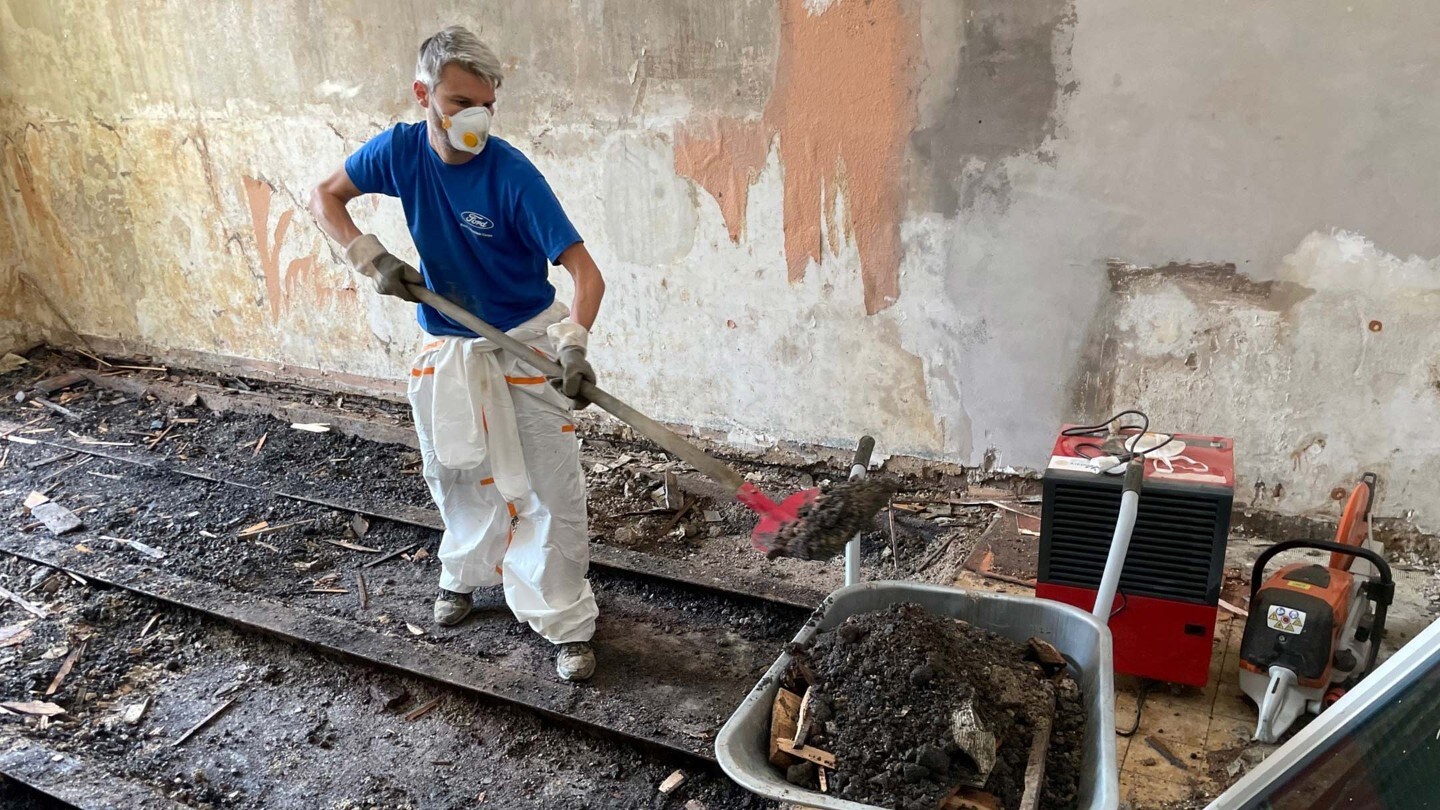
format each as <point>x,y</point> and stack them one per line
<point>742,746</point>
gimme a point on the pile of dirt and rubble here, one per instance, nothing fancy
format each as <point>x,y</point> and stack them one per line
<point>913,707</point>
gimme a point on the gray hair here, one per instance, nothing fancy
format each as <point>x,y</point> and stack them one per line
<point>455,45</point>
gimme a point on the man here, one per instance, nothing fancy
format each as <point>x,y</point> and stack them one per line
<point>499,448</point>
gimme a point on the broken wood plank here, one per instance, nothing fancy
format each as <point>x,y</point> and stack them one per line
<point>802,719</point>
<point>60,409</point>
<point>1039,749</point>
<point>259,444</point>
<point>59,382</point>
<point>421,711</point>
<point>48,460</point>
<point>350,546</point>
<point>784,714</point>
<point>364,591</point>
<point>389,555</point>
<point>56,518</point>
<point>29,606</point>
<point>328,590</point>
<point>15,634</point>
<point>65,668</point>
<point>824,759</point>
<point>207,720</point>
<point>36,708</point>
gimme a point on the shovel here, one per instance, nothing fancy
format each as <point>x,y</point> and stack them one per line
<point>806,525</point>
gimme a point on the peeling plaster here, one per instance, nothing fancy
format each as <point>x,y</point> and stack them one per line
<point>842,107</point>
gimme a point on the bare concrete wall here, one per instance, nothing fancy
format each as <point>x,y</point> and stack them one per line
<point>953,223</point>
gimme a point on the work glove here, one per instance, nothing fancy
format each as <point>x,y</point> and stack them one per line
<point>570,340</point>
<point>370,258</point>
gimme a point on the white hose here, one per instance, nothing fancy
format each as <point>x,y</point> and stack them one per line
<point>1119,547</point>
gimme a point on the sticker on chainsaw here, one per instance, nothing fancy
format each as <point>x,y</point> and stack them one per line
<point>1286,620</point>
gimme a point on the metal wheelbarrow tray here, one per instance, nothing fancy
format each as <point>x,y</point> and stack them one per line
<point>742,746</point>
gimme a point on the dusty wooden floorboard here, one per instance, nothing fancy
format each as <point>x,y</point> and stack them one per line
<point>560,701</point>
<point>75,780</point>
<point>600,555</point>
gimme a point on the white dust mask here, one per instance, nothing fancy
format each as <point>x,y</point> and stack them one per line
<point>468,129</point>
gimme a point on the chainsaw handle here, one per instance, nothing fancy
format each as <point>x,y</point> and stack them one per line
<point>1387,581</point>
<point>711,467</point>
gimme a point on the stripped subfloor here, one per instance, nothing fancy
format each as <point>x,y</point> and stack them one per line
<point>236,521</point>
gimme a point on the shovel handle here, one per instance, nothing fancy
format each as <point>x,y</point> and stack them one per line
<point>670,441</point>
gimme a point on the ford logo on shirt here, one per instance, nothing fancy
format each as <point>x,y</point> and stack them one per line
<point>477,223</point>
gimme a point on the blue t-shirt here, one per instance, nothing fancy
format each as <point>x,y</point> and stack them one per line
<point>485,230</point>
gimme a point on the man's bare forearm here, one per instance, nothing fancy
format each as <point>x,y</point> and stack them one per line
<point>589,284</point>
<point>327,205</point>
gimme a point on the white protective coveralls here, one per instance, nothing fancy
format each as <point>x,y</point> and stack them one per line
<point>503,464</point>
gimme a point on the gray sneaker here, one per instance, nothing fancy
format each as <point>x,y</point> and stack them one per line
<point>575,661</point>
<point>451,607</point>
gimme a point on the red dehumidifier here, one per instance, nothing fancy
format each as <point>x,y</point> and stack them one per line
<point>1163,614</point>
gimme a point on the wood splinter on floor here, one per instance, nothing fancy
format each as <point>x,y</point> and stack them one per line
<point>208,719</point>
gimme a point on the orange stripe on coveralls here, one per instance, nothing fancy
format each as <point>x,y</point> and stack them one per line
<point>524,380</point>
<point>420,372</point>
<point>428,346</point>
<point>567,428</point>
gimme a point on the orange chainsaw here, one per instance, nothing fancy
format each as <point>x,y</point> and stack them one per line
<point>1314,630</point>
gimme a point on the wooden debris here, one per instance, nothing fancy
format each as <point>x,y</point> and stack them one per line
<point>1039,749</point>
<point>29,606</point>
<point>135,712</point>
<point>150,624</point>
<point>350,546</point>
<point>56,518</point>
<point>1235,609</point>
<point>59,382</point>
<point>359,527</point>
<point>672,782</point>
<point>264,527</point>
<point>15,634</point>
<point>148,551</point>
<point>1046,655</point>
<point>48,460</point>
<point>421,711</point>
<point>161,437</point>
<point>802,719</point>
<point>37,708</point>
<point>389,555</point>
<point>65,669</point>
<point>364,592</point>
<point>312,427</point>
<point>824,780</point>
<point>60,409</point>
<point>674,498</point>
<point>34,499</point>
<point>971,799</point>
<point>328,590</point>
<point>1164,750</point>
<point>259,444</point>
<point>784,715</point>
<point>824,759</point>
<point>208,719</point>
<point>415,629</point>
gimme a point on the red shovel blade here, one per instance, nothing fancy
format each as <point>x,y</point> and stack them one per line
<point>773,516</point>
